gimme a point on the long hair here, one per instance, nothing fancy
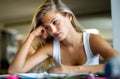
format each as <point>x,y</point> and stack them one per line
<point>45,6</point>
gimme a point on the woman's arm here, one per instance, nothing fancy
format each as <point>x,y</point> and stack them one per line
<point>22,63</point>
<point>20,58</point>
<point>79,69</point>
<point>100,46</point>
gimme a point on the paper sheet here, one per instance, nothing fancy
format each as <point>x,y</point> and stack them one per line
<point>40,75</point>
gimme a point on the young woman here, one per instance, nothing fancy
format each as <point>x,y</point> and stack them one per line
<point>56,33</point>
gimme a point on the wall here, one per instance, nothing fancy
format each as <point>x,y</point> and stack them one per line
<point>116,23</point>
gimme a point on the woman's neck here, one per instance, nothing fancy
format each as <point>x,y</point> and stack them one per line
<point>73,39</point>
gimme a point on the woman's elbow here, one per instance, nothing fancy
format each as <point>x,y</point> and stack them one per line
<point>14,70</point>
<point>11,71</point>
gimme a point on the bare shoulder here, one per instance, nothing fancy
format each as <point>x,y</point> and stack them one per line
<point>94,40</point>
<point>99,45</point>
<point>96,37</point>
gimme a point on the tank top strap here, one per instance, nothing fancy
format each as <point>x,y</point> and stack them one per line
<point>91,59</point>
<point>56,52</point>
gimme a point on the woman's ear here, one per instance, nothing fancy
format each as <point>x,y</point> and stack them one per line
<point>69,16</point>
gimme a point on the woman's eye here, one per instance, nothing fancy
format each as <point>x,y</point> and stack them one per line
<point>47,27</point>
<point>55,22</point>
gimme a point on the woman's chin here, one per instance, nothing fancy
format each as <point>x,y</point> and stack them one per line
<point>60,39</point>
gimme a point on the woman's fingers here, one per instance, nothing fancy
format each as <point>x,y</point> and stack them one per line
<point>40,31</point>
<point>44,33</point>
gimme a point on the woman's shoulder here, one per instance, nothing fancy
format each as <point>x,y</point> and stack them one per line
<point>96,37</point>
<point>96,42</point>
<point>93,36</point>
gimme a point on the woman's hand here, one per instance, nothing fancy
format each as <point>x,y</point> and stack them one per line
<point>64,70</point>
<point>40,31</point>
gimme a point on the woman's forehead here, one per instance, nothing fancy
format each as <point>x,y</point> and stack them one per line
<point>50,16</point>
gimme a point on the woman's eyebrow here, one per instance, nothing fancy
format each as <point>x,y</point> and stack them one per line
<point>53,19</point>
<point>50,21</point>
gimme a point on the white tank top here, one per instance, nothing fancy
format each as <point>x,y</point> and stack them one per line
<point>91,59</point>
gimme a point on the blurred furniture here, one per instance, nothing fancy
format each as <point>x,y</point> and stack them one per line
<point>7,40</point>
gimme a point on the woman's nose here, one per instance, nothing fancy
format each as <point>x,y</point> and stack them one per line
<point>53,29</point>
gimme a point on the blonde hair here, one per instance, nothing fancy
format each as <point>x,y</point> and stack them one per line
<point>45,6</point>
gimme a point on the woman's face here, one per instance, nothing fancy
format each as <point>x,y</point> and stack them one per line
<point>56,24</point>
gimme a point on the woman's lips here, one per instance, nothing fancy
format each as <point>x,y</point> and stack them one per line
<point>57,35</point>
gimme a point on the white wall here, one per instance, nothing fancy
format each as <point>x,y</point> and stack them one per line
<point>103,23</point>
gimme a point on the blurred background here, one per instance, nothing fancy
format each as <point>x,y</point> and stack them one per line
<point>16,16</point>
